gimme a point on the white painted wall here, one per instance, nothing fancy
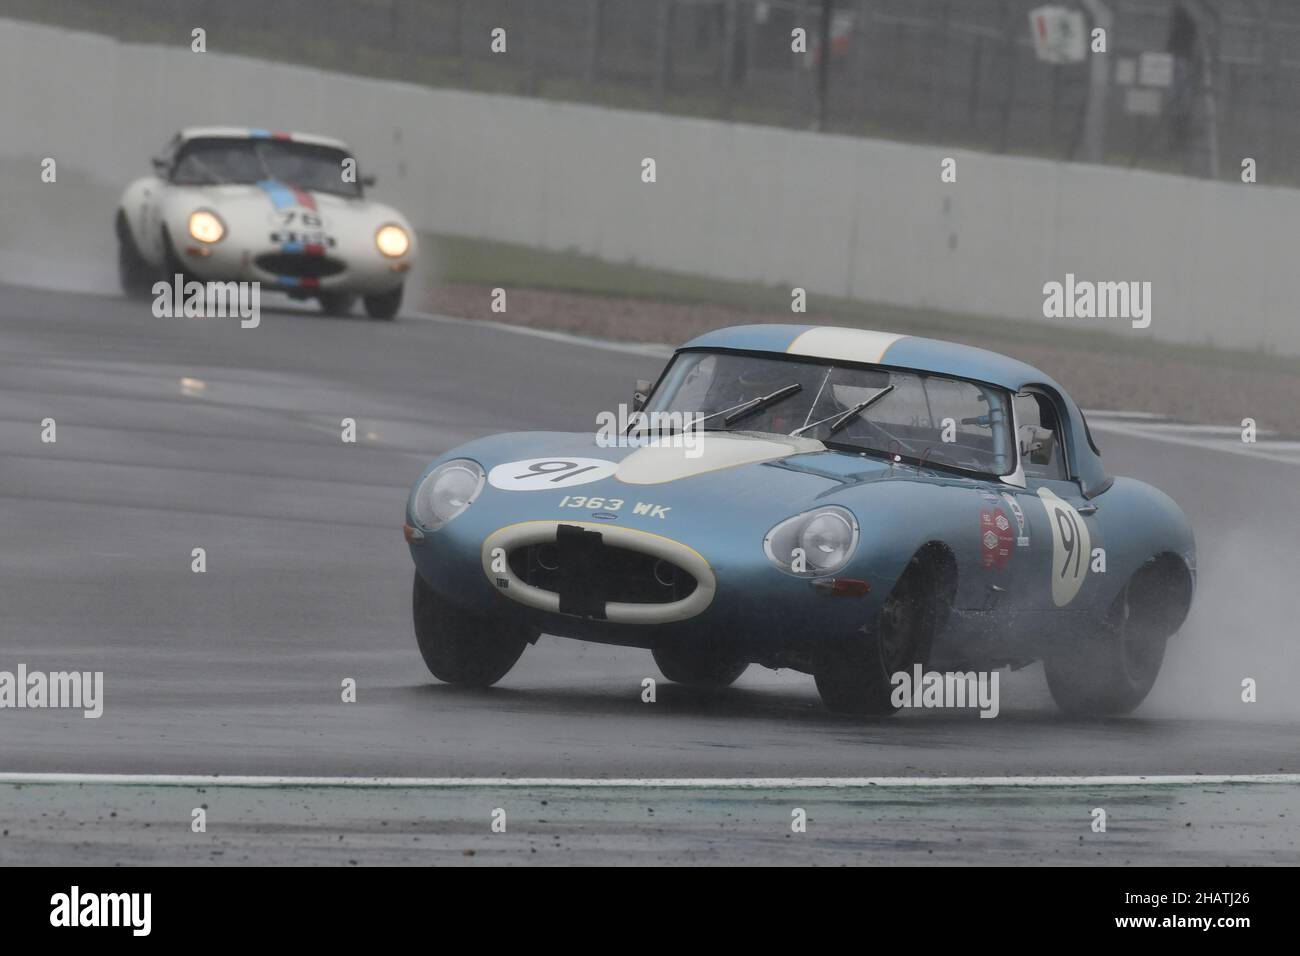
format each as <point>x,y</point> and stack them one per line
<point>837,215</point>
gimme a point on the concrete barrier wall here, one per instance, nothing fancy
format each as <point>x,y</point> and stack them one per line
<point>836,215</point>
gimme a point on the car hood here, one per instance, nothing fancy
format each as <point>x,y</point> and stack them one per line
<point>256,202</point>
<point>728,478</point>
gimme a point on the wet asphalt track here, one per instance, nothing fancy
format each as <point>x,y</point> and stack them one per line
<point>175,434</point>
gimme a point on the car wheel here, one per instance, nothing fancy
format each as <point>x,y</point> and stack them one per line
<point>697,664</point>
<point>1113,673</point>
<point>853,671</point>
<point>459,647</point>
<point>384,305</point>
<point>134,274</point>
<point>337,303</point>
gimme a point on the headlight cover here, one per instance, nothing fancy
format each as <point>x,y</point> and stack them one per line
<point>392,240</point>
<point>206,226</point>
<point>827,537</point>
<point>447,491</point>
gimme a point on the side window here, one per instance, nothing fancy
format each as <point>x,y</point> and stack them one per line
<point>967,405</point>
<point>165,158</point>
<point>1038,433</point>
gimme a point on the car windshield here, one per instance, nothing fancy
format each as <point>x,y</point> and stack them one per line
<point>921,417</point>
<point>215,161</point>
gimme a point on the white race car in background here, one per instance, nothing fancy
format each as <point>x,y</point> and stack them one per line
<point>232,204</point>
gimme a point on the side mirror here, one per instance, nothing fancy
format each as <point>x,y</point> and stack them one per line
<point>368,181</point>
<point>161,166</point>
<point>641,394</point>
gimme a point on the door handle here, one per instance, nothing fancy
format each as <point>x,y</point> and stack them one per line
<point>1088,510</point>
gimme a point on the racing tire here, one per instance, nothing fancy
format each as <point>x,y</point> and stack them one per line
<point>385,305</point>
<point>337,304</point>
<point>1112,674</point>
<point>459,647</point>
<point>853,672</point>
<point>172,265</point>
<point>134,274</point>
<point>694,664</point>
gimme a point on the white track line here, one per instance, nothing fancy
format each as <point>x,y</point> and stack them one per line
<point>700,783</point>
<point>1153,433</point>
<point>1091,413</point>
<point>569,338</point>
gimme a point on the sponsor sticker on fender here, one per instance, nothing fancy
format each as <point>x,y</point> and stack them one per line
<point>1022,539</point>
<point>996,539</point>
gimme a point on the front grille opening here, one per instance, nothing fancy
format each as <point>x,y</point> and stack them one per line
<point>295,264</point>
<point>621,576</point>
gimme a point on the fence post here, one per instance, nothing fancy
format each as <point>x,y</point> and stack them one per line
<point>592,71</point>
<point>860,83</point>
<point>1205,54</point>
<point>748,45</point>
<point>1094,117</point>
<point>798,68</point>
<point>1212,64</point>
<point>458,31</point>
<point>824,64</point>
<point>1009,91</point>
<point>1272,67</point>
<point>939,73</point>
<point>663,55</point>
<point>728,56</point>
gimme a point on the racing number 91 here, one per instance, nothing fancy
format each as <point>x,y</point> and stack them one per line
<point>1068,527</point>
<point>544,474</point>
<point>560,470</point>
<point>1071,547</point>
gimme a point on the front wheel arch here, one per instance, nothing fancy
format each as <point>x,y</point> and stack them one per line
<point>939,564</point>
<point>854,671</point>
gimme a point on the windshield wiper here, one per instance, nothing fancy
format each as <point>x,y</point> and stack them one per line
<point>743,406</point>
<point>758,404</point>
<point>207,171</point>
<point>843,418</point>
<point>261,161</point>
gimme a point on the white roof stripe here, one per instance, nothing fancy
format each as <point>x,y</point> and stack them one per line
<point>245,132</point>
<point>851,345</point>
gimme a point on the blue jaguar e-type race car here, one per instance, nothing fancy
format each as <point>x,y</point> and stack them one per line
<point>845,503</point>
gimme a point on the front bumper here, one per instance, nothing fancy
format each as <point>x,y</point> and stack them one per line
<point>737,597</point>
<point>506,541</point>
<point>295,268</point>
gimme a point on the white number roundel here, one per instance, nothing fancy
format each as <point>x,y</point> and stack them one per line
<point>1071,547</point>
<point>547,474</point>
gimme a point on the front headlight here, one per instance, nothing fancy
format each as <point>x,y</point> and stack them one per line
<point>814,543</point>
<point>205,226</point>
<point>392,241</point>
<point>447,491</point>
